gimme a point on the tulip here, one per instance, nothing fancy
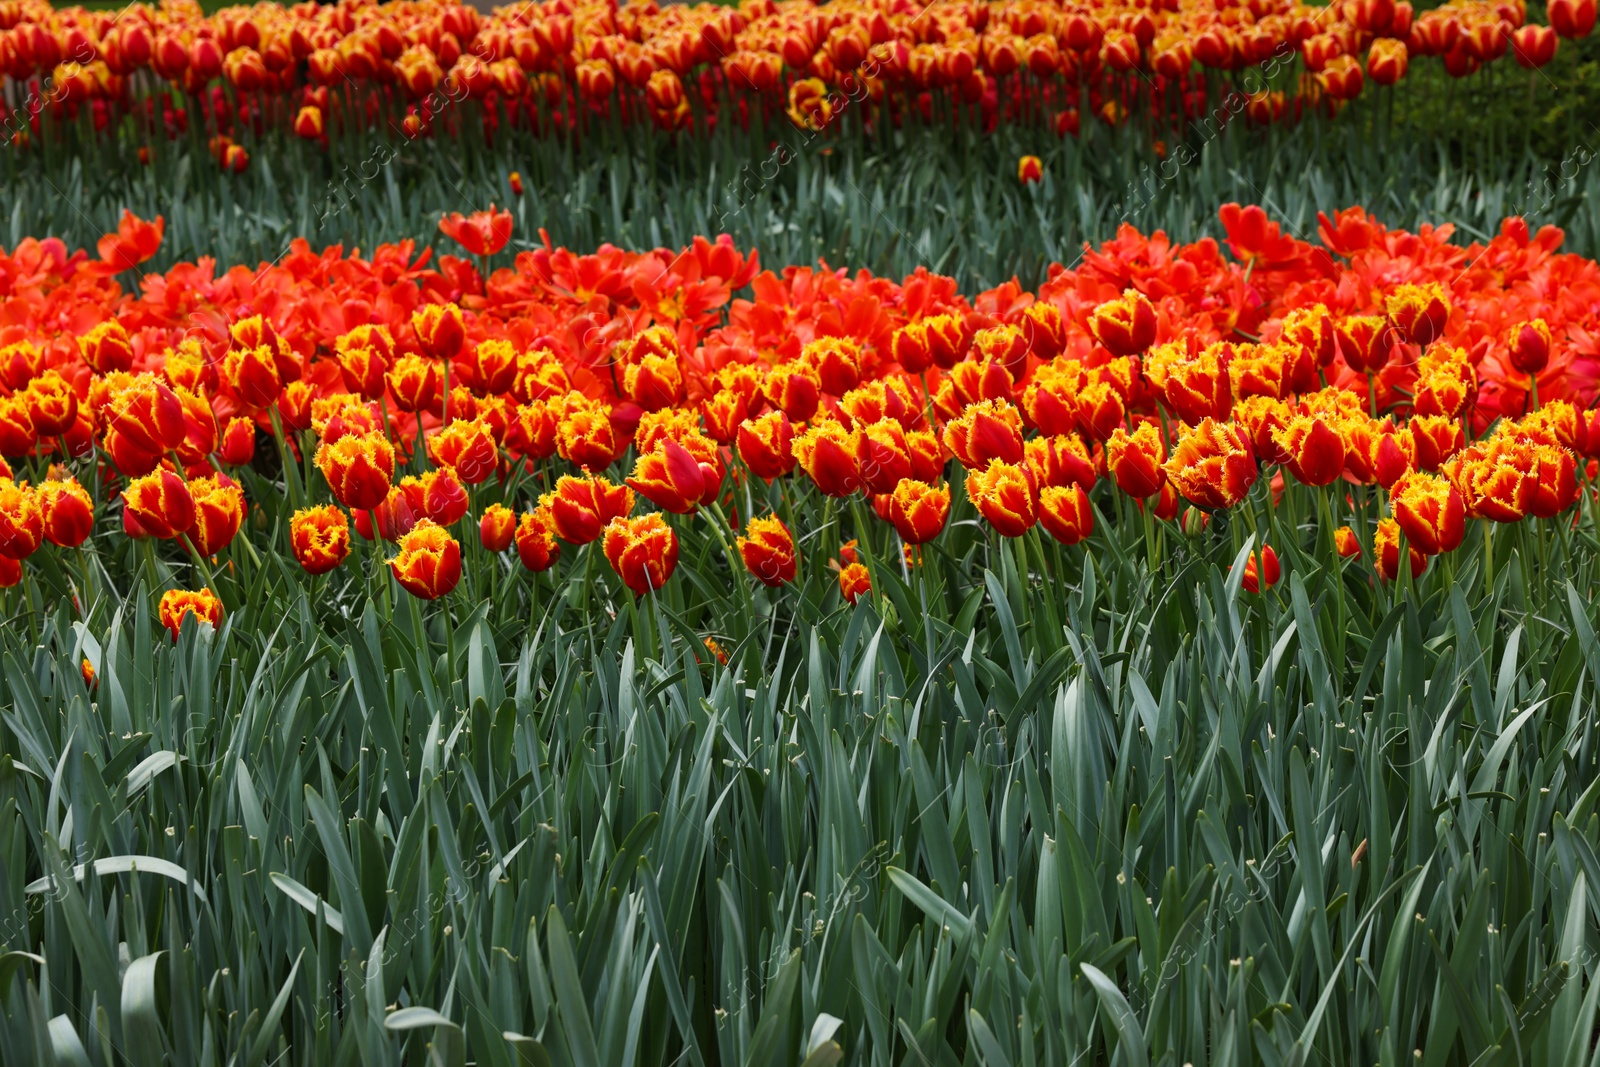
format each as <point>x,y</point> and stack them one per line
<point>670,478</point>
<point>51,403</point>
<point>1065,514</point>
<point>1556,482</point>
<point>20,363</point>
<point>1437,438</point>
<point>1199,387</point>
<point>1061,460</point>
<point>1029,170</point>
<point>238,442</point>
<point>919,510</point>
<point>106,347</point>
<point>1387,61</point>
<point>1572,19</point>
<point>1006,495</point>
<point>768,551</point>
<point>437,495</point>
<point>1136,460</point>
<point>837,361</point>
<point>134,242</point>
<point>1497,479</point>
<point>971,381</point>
<point>723,411</point>
<point>1346,544</point>
<point>415,381</point>
<point>795,389</point>
<point>1430,510</point>
<point>21,520</point>
<point>483,233</point>
<point>1212,465</point>
<point>147,415</point>
<point>308,123</point>
<point>67,511</point>
<point>910,347</point>
<point>1528,344</point>
<point>588,438</point>
<point>537,547</point>
<point>1264,576</point>
<point>1419,312</point>
<point>10,572</point>
<point>949,338</point>
<point>1126,326</point>
<point>468,448</point>
<point>218,513</point>
<point>580,508</point>
<point>1365,342</point>
<point>294,406</point>
<point>17,436</point>
<point>439,329</point>
<point>358,469</point>
<point>320,538</point>
<point>252,375</point>
<point>1315,450</point>
<point>827,453</point>
<point>643,551</point>
<point>497,527</point>
<point>1386,552</point>
<point>177,603</point>
<point>429,563</point>
<point>854,582</point>
<point>160,503</point>
<point>985,431</point>
<point>883,455</point>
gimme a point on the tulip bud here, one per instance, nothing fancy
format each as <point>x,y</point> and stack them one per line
<point>177,603</point>
<point>768,551</point>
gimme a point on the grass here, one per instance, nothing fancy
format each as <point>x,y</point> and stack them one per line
<point>1023,805</point>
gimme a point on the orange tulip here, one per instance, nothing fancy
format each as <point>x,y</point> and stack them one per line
<point>723,411</point>
<point>320,538</point>
<point>1212,465</point>
<point>1345,543</point>
<point>294,406</point>
<point>1572,19</point>
<point>467,447</point>
<point>854,582</point>
<point>1430,510</point>
<point>987,430</point>
<point>1126,326</point>
<point>1263,576</point>
<point>1065,513</point>
<point>1443,391</point>
<point>238,442</point>
<point>429,563</point>
<point>176,603</point>
<point>919,510</point>
<point>1101,410</point>
<point>416,382</point>
<point>580,508</point>
<point>643,551</point>
<point>827,452</point>
<point>537,547</point>
<point>1387,61</point>
<point>497,527</point>
<point>1365,341</point>
<point>218,513</point>
<point>911,348</point>
<point>1006,495</point>
<point>358,469</point>
<point>539,375</point>
<point>483,233</point>
<point>1315,450</point>
<point>1136,460</point>
<point>67,510</point>
<point>21,520</point>
<point>1437,438</point>
<point>1386,552</point>
<point>160,504</point>
<point>768,551</point>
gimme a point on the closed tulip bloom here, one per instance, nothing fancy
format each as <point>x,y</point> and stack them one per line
<point>467,447</point>
<point>1443,392</point>
<point>1062,460</point>
<point>985,431</point>
<point>440,329</point>
<point>1315,449</point>
<point>252,375</point>
<point>971,381</point>
<point>294,406</point>
<point>949,338</point>
<point>106,347</point>
<point>148,415</point>
<point>161,504</point>
<point>320,538</point>
<point>1199,388</point>
<point>1261,418</point>
<point>854,582</point>
<point>415,381</point>
<point>795,389</point>
<point>1006,495</point>
<point>51,403</point>
<point>643,551</point>
<point>537,546</point>
<point>837,361</point>
<point>1419,312</point>
<point>358,469</point>
<point>238,442</point>
<point>1387,61</point>
<point>1212,465</point>
<point>723,411</point>
<point>1386,552</point>
<point>1393,455</point>
<point>919,510</point>
<point>768,551</point>
<point>1528,344</point>
<point>1430,510</point>
<point>1065,513</point>
<point>1437,438</point>
<point>67,510</point>
<point>1137,460</point>
<point>580,508</point>
<point>308,123</point>
<point>396,515</point>
<point>1556,482</point>
<point>586,437</point>
<point>670,478</point>
<point>1044,330</point>
<point>176,603</point>
<point>437,495</point>
<point>910,347</point>
<point>532,430</point>
<point>21,520</point>
<point>17,436</point>
<point>363,368</point>
<point>883,455</point>
<point>1364,341</point>
<point>539,375</point>
<point>1346,544</point>
<point>1261,570</point>
<point>1572,19</point>
<point>1051,399</point>
<point>1126,326</point>
<point>827,453</point>
<point>429,563</point>
<point>218,513</point>
<point>1101,410</point>
<point>1029,170</point>
<point>496,527</point>
<point>884,398</point>
<point>653,381</point>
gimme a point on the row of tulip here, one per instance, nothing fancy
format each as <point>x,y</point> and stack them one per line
<point>1461,382</point>
<point>360,66</point>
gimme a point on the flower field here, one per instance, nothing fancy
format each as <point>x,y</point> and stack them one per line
<point>1188,658</point>
<point>986,533</point>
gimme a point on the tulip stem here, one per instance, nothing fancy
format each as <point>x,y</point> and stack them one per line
<point>1488,558</point>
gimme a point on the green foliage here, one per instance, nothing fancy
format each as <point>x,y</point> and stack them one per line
<point>1023,805</point>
